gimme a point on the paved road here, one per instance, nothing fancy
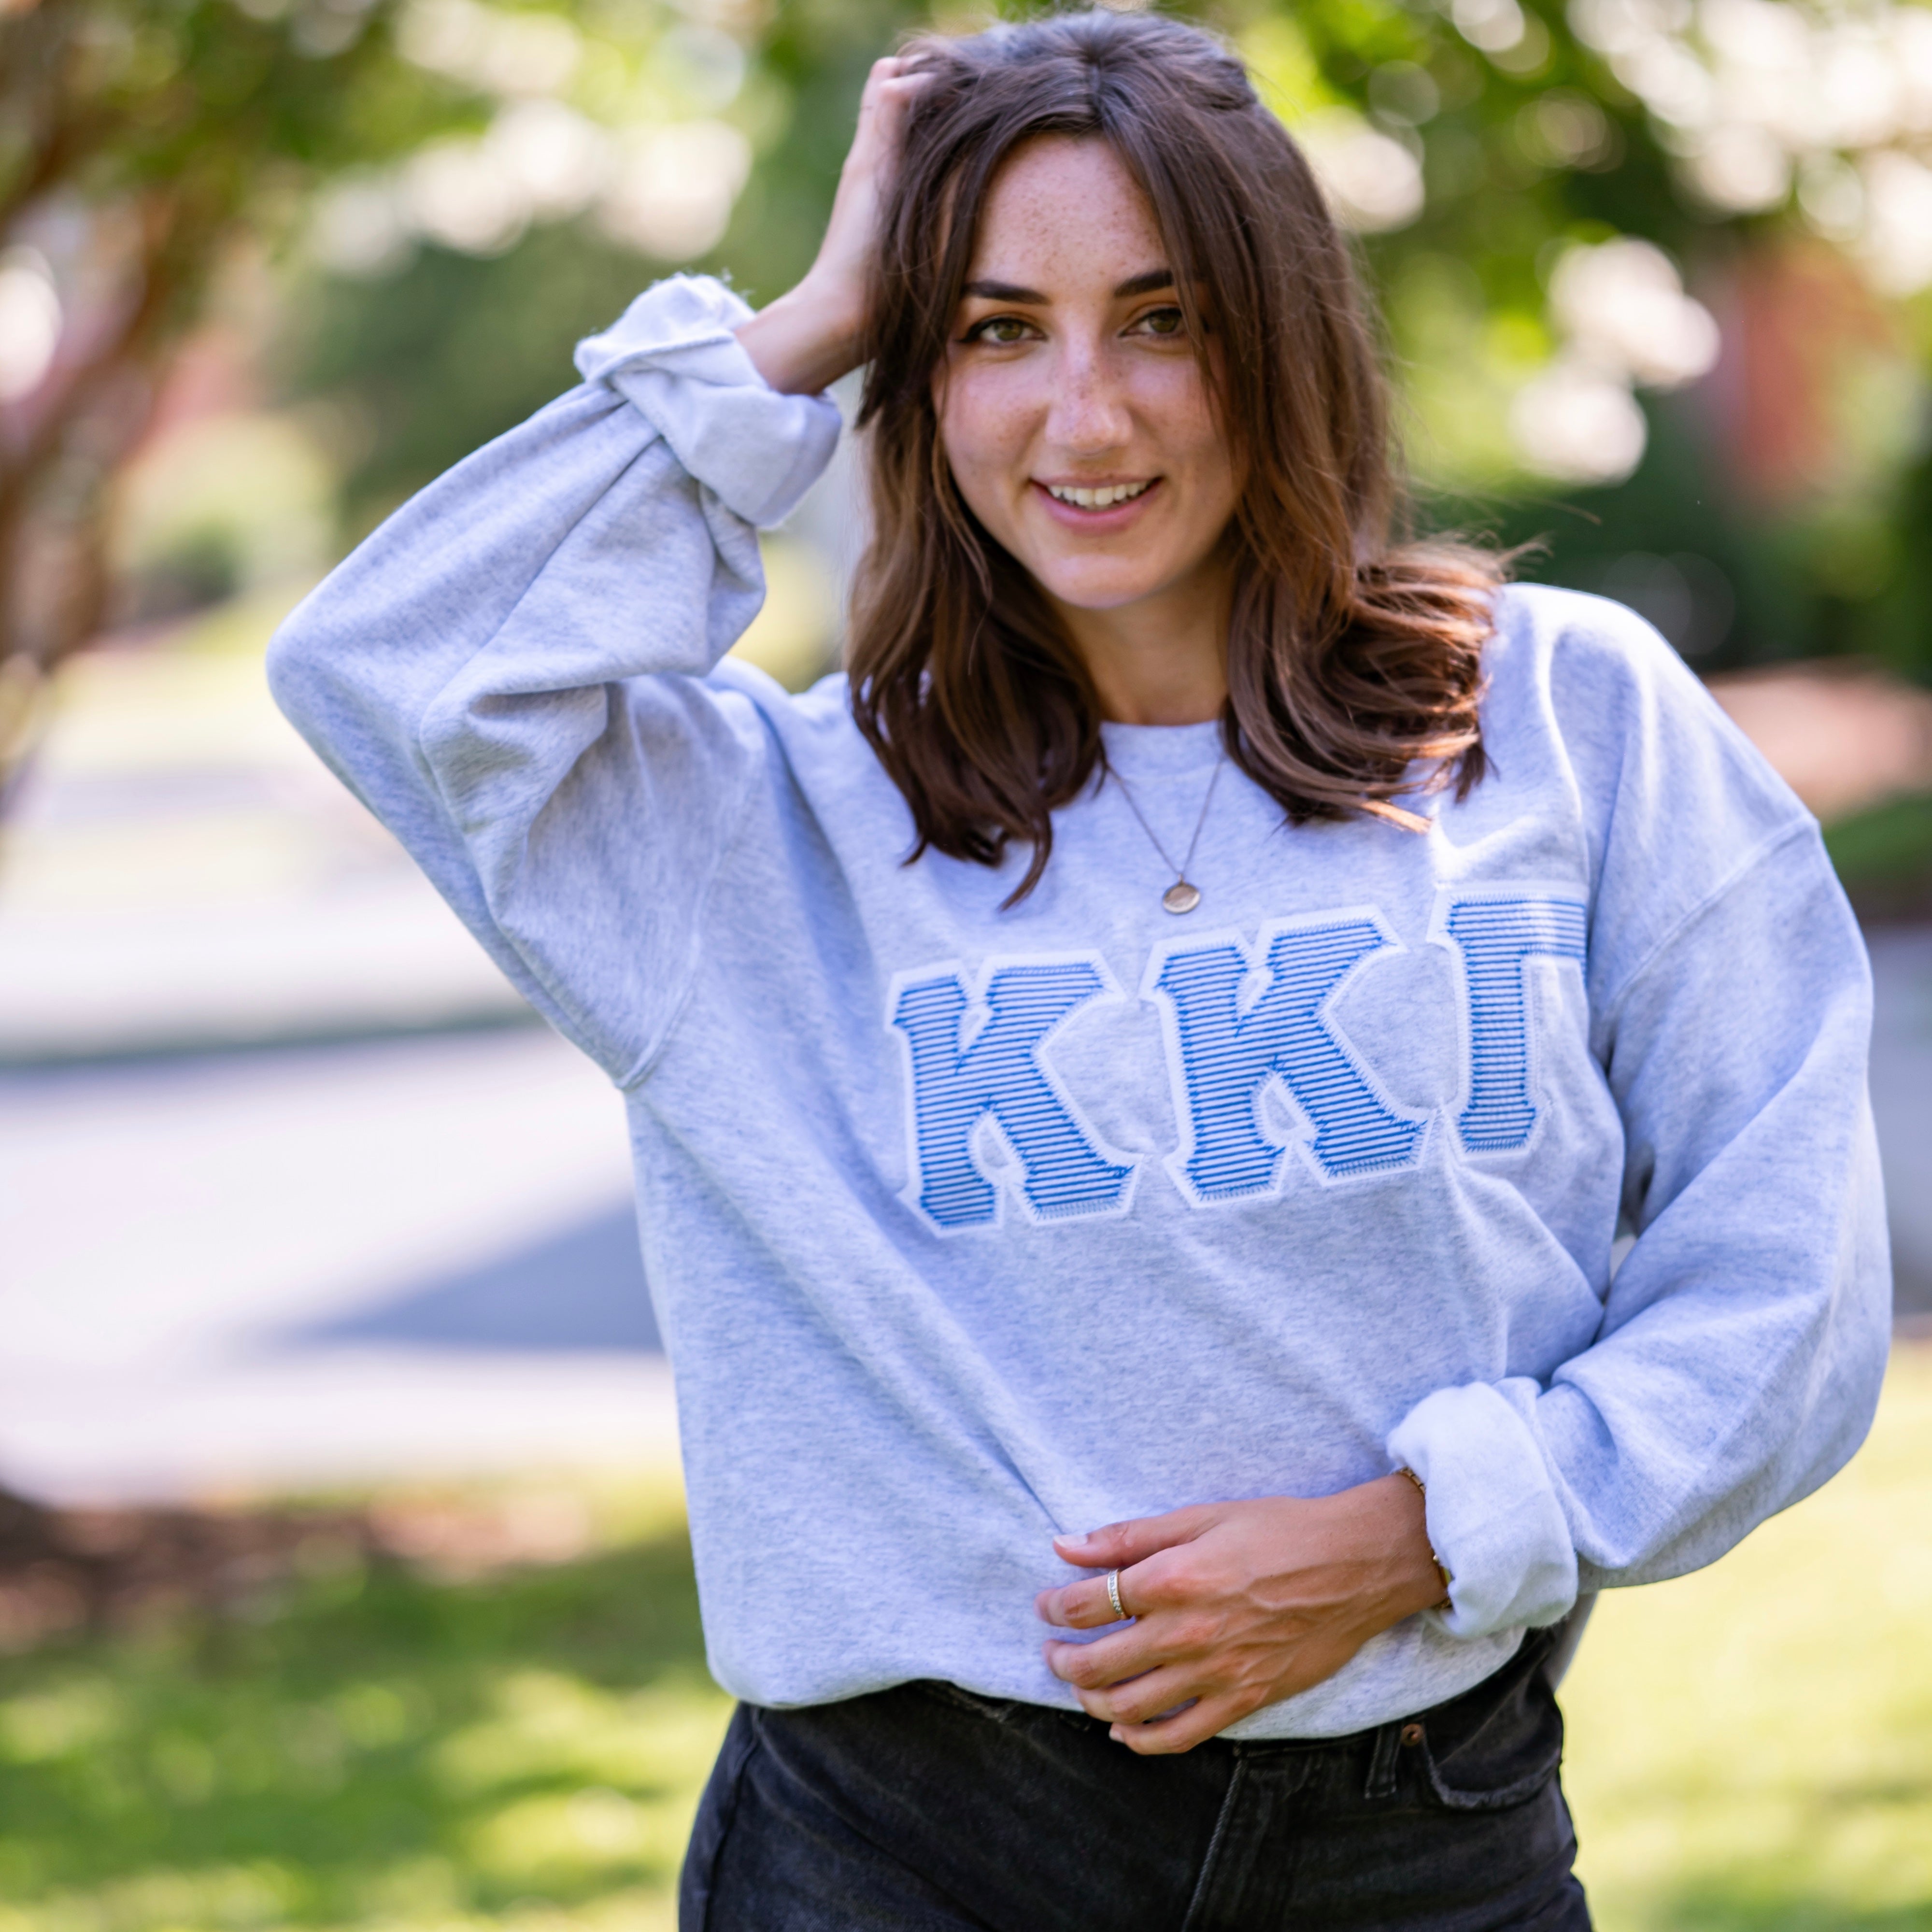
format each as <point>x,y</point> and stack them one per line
<point>254,1268</point>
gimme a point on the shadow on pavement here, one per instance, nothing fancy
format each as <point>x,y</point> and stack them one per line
<point>580,1289</point>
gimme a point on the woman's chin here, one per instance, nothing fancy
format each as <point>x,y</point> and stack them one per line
<point>1100,585</point>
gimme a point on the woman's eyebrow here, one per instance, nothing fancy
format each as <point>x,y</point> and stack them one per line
<point>1135,285</point>
<point>1003,291</point>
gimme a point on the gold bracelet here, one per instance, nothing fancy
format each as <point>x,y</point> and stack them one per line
<point>1442,1568</point>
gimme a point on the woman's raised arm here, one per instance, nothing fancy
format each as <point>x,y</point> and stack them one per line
<point>507,672</point>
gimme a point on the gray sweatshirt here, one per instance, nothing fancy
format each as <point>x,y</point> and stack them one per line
<point>964,1226</point>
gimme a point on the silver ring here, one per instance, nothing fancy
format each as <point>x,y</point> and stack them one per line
<point>1114,1595</point>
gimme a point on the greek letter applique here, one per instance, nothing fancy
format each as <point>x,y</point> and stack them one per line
<point>1495,939</point>
<point>1222,1052</point>
<point>956,1084</point>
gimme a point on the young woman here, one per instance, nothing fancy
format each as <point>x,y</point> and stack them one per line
<point>1134,1088</point>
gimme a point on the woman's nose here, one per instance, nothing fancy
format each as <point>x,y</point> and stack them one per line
<point>1087,413</point>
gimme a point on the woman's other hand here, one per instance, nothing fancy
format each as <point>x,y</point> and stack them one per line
<point>806,340</point>
<point>1236,1605</point>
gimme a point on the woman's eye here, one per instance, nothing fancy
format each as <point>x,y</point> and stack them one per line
<point>1167,323</point>
<point>1002,331</point>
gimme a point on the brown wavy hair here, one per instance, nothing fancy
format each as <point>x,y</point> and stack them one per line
<point>1353,659</point>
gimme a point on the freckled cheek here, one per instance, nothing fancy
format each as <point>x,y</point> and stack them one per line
<point>988,420</point>
<point>1172,405</point>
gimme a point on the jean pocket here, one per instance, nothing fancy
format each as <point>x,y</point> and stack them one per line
<point>1507,1755</point>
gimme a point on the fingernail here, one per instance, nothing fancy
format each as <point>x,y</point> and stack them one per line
<point>1075,1539</point>
<point>1116,1735</point>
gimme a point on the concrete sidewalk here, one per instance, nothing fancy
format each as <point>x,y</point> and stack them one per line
<point>261,1270</point>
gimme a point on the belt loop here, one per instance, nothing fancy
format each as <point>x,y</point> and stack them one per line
<point>1381,1764</point>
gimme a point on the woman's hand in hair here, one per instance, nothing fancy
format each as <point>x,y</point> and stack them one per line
<point>1236,1605</point>
<point>806,340</point>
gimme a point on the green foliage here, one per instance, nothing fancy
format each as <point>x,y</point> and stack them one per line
<point>224,118</point>
<point>202,114</point>
<point>450,351</point>
<point>140,141</point>
<point>379,1749</point>
<point>433,362</point>
<point>430,361</point>
<point>1884,857</point>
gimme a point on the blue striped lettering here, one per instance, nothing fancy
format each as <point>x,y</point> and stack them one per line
<point>1497,938</point>
<point>1223,1056</point>
<point>1000,1074</point>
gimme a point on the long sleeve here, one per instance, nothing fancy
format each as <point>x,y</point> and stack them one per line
<point>509,672</point>
<point>1743,1340</point>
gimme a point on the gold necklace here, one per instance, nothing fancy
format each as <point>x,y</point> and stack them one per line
<point>1183,895</point>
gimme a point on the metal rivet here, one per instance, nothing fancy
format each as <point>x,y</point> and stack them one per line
<point>1411,1734</point>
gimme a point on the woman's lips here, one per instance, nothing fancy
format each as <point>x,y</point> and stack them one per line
<point>1116,516</point>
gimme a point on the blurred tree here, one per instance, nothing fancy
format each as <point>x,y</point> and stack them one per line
<point>139,139</point>
<point>1734,457</point>
<point>429,346</point>
<point>145,143</point>
<point>1649,278</point>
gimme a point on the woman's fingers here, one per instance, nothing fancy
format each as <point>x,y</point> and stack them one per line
<point>1082,1606</point>
<point>1138,1552</point>
<point>1093,1666</point>
<point>1133,1682</point>
<point>1076,1605</point>
<point>1205,1718</point>
<point>806,340</point>
<point>1235,1605</point>
<point>1088,1605</point>
<point>866,179</point>
<point>1119,1544</point>
<point>1166,1688</point>
<point>892,87</point>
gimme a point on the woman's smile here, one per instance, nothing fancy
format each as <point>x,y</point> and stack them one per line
<point>1096,507</point>
<point>1076,414</point>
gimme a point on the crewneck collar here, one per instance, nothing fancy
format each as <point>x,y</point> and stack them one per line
<point>1148,753</point>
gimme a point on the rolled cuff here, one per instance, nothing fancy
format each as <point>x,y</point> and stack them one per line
<point>1495,1520</point>
<point>673,355</point>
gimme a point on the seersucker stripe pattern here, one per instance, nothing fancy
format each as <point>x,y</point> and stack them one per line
<point>1226,1056</point>
<point>1000,1074</point>
<point>1498,938</point>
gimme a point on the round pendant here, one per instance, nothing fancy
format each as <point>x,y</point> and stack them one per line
<point>1181,897</point>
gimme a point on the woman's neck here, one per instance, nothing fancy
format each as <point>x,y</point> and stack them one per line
<point>1163,659</point>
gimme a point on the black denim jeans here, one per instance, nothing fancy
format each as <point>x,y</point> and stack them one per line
<point>926,1809</point>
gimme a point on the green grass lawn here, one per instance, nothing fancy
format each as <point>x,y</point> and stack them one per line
<point>1751,1749</point>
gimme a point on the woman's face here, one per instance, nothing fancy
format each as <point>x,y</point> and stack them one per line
<point>1071,406</point>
